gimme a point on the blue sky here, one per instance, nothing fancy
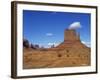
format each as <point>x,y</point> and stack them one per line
<point>47,27</point>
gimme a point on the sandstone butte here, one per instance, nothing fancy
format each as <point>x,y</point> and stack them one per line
<point>70,53</point>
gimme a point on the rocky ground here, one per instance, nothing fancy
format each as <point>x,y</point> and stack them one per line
<point>55,58</point>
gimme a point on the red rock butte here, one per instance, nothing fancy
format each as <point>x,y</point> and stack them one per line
<point>71,40</point>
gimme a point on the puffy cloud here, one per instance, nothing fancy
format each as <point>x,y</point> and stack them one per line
<point>88,44</point>
<point>75,25</point>
<point>49,34</point>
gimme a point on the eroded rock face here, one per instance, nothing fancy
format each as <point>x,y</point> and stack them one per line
<point>71,35</point>
<point>71,52</point>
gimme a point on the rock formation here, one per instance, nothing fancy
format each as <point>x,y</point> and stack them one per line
<point>70,53</point>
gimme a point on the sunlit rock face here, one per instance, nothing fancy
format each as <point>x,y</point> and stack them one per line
<point>70,53</point>
<point>71,35</point>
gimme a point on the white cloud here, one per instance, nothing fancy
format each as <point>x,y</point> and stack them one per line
<point>88,44</point>
<point>75,25</point>
<point>49,34</point>
<point>55,44</point>
<point>50,44</point>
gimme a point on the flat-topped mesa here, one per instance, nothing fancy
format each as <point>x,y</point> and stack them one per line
<point>71,35</point>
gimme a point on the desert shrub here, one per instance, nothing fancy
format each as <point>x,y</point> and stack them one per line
<point>59,55</point>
